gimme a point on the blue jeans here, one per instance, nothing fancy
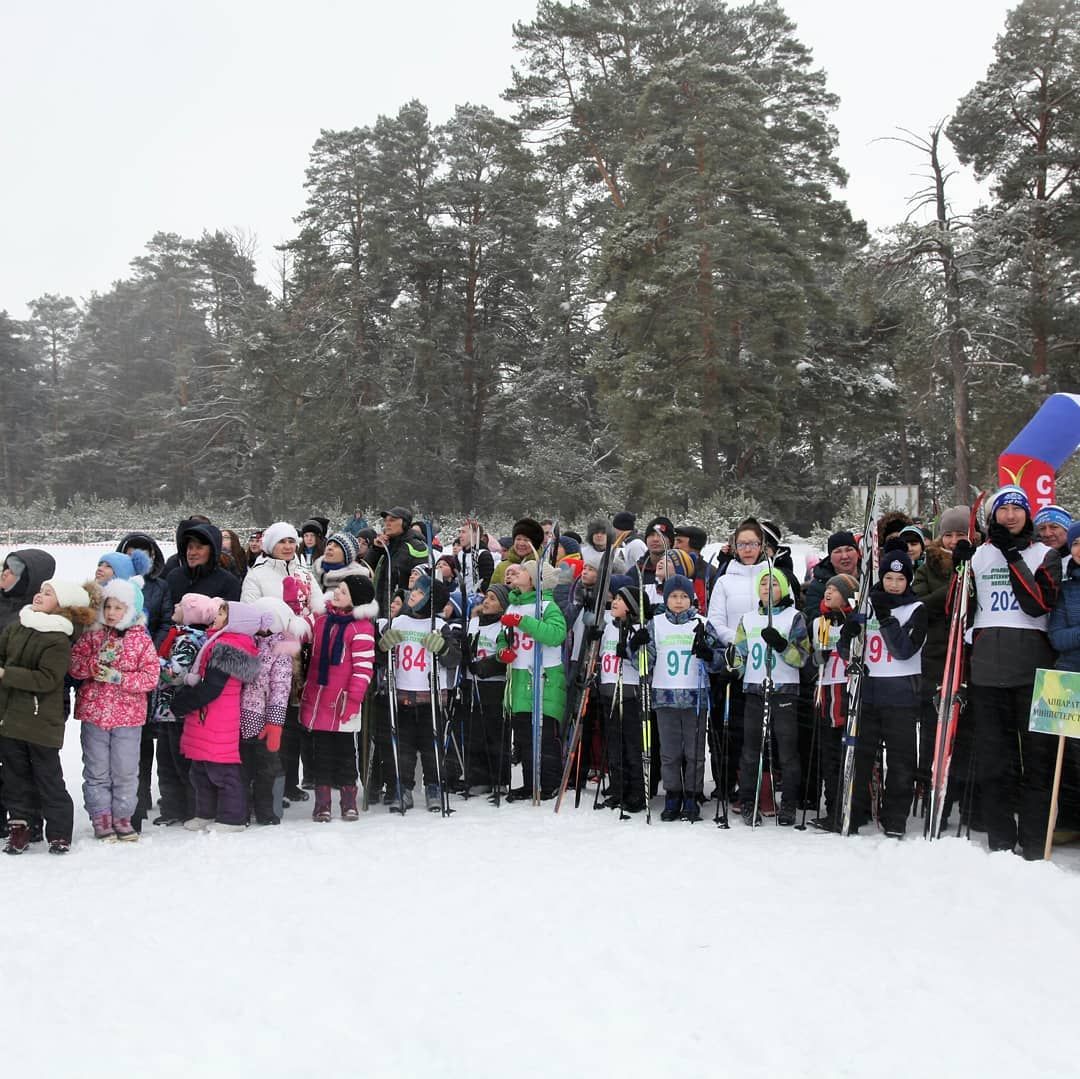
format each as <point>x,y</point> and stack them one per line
<point>110,770</point>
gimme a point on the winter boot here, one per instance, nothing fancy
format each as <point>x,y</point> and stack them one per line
<point>748,814</point>
<point>125,830</point>
<point>198,824</point>
<point>433,798</point>
<point>348,804</point>
<point>18,837</point>
<point>103,827</point>
<point>691,810</point>
<point>672,806</point>
<point>786,813</point>
<point>59,846</point>
<point>322,811</point>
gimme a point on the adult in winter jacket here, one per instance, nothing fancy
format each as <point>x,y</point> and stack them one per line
<point>198,549</point>
<point>280,574</point>
<point>21,578</point>
<point>1065,617</point>
<point>157,596</point>
<point>1016,581</point>
<point>527,540</point>
<point>395,552</point>
<point>843,557</point>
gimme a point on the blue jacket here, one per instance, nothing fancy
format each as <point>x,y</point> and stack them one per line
<point>1064,627</point>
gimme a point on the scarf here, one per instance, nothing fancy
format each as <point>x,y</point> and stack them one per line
<point>333,642</point>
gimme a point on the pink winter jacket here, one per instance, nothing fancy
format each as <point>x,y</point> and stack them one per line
<point>212,733</point>
<point>132,655</point>
<point>265,700</point>
<point>325,708</point>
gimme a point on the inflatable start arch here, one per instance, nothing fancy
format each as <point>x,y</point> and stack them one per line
<point>1033,458</point>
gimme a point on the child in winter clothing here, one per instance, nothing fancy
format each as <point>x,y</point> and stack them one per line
<point>830,694</point>
<point>890,692</point>
<point>485,686</point>
<point>522,633</point>
<point>118,666</point>
<point>342,661</point>
<point>34,654</point>
<point>771,643</point>
<point>681,648</point>
<point>619,692</point>
<point>192,616</point>
<point>416,647</point>
<point>210,705</point>
<point>263,704</point>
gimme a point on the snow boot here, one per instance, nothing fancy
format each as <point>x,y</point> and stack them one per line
<point>322,811</point>
<point>103,827</point>
<point>747,813</point>
<point>125,830</point>
<point>59,846</point>
<point>672,806</point>
<point>786,813</point>
<point>348,803</point>
<point>18,837</point>
<point>433,798</point>
<point>691,810</point>
<point>198,824</point>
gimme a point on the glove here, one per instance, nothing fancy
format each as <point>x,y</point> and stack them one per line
<point>850,629</point>
<point>434,643</point>
<point>699,648</point>
<point>1004,541</point>
<point>511,619</point>
<point>507,655</point>
<point>774,638</point>
<point>881,609</point>
<point>271,735</point>
<point>294,592</point>
<point>962,553</point>
<point>390,639</point>
<point>109,675</point>
<point>640,637</point>
<point>621,649</point>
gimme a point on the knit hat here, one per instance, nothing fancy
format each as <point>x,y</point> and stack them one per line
<point>362,593</point>
<point>569,545</point>
<point>895,559</point>
<point>910,532</point>
<point>247,618</point>
<point>629,595</point>
<point>68,593</point>
<point>662,526</point>
<point>532,530</point>
<point>624,521</point>
<point>282,620</point>
<point>549,575</point>
<point>198,610</point>
<point>1009,495</point>
<point>620,580</point>
<point>1074,534</point>
<point>679,562</point>
<point>678,583</point>
<point>698,537</point>
<point>954,519</point>
<point>779,576</point>
<point>503,594</point>
<point>124,566</point>
<point>592,557</point>
<point>845,584</point>
<point>129,594</point>
<point>1053,515</point>
<point>312,525</point>
<point>275,533</point>
<point>841,539</point>
<point>347,542</point>
<point>506,542</point>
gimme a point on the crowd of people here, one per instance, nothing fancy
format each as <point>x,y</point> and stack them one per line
<point>266,674</point>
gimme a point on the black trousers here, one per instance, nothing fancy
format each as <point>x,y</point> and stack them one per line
<point>173,768</point>
<point>295,748</point>
<point>415,735</point>
<point>1015,768</point>
<point>264,778</point>
<point>895,727</point>
<point>622,734</point>
<point>550,766</point>
<point>333,759</point>
<point>487,734</point>
<point>34,784</point>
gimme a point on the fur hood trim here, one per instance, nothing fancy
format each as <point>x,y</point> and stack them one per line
<point>45,623</point>
<point>234,662</point>
<point>938,560</point>
<point>369,611</point>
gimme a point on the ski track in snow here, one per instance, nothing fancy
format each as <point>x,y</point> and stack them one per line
<point>515,941</point>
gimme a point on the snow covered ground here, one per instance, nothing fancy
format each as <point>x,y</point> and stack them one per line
<point>517,942</point>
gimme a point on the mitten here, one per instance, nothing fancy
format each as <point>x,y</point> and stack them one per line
<point>390,639</point>
<point>294,592</point>
<point>1004,541</point>
<point>434,642</point>
<point>962,553</point>
<point>699,648</point>
<point>507,655</point>
<point>271,734</point>
<point>881,609</point>
<point>640,637</point>
<point>774,638</point>
<point>850,629</point>
<point>511,619</point>
<point>109,675</point>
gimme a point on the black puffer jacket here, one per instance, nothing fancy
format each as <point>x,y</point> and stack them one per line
<point>40,566</point>
<point>157,596</point>
<point>207,580</point>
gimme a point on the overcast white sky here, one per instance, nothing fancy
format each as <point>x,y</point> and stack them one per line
<point>121,118</point>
